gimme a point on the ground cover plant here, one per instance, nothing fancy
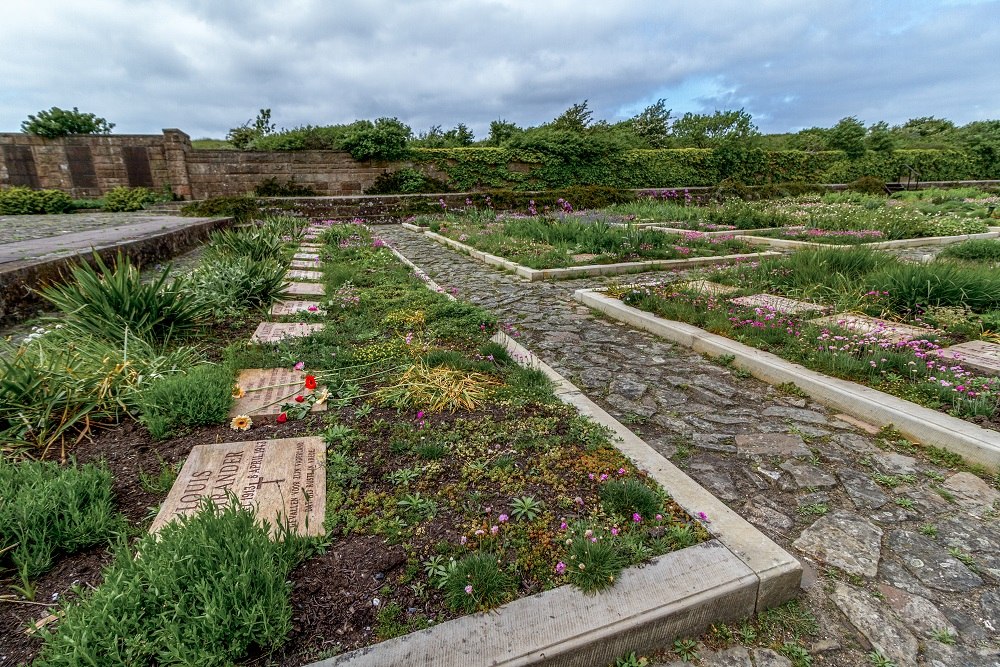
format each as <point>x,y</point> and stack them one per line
<point>955,303</point>
<point>986,251</point>
<point>455,482</point>
<point>563,238</point>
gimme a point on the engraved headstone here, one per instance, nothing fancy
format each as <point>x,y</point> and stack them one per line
<point>306,256</point>
<point>296,307</point>
<point>893,331</point>
<point>298,274</point>
<point>282,480</point>
<point>310,247</point>
<point>779,304</point>
<point>307,264</point>
<point>975,355</point>
<point>305,289</point>
<point>273,332</point>
<point>267,389</point>
<point>707,287</point>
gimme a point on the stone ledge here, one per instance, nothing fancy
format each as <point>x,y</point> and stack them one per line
<point>921,424</point>
<point>533,275</point>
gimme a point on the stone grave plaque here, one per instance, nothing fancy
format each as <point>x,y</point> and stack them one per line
<point>885,329</point>
<point>309,237</point>
<point>707,287</point>
<point>283,480</point>
<point>305,289</point>
<point>306,256</point>
<point>310,247</point>
<point>780,304</point>
<point>267,389</point>
<point>295,307</point>
<point>304,264</point>
<point>273,332</point>
<point>975,355</point>
<point>299,274</point>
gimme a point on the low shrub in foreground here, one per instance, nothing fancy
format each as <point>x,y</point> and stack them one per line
<point>128,199</point>
<point>25,201</point>
<point>47,509</point>
<point>973,250</point>
<point>200,397</point>
<point>204,591</point>
<point>229,285</point>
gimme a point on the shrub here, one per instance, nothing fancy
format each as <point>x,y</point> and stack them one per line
<point>477,582</point>
<point>974,250</point>
<point>630,496</point>
<point>25,201</point>
<point>870,185</point>
<point>128,199</point>
<point>205,590</point>
<point>239,209</point>
<point>49,509</point>
<point>114,303</point>
<point>228,285</point>
<point>255,243</point>
<point>270,187</point>
<point>385,139</point>
<point>405,181</point>
<point>200,397</point>
<point>58,122</point>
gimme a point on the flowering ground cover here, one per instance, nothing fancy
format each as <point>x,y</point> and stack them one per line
<point>956,303</point>
<point>570,238</point>
<point>455,481</point>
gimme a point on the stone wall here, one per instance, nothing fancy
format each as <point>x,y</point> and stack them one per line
<point>89,166</point>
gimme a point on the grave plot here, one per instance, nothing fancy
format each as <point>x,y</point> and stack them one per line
<point>894,332</point>
<point>293,307</point>
<point>275,332</point>
<point>263,391</point>
<point>304,289</point>
<point>283,481</point>
<point>977,355</point>
<point>299,274</point>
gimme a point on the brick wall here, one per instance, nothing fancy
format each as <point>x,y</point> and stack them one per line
<point>89,166</point>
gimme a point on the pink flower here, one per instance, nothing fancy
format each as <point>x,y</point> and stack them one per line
<point>703,516</point>
<point>299,365</point>
<point>659,517</point>
<point>494,530</point>
<point>502,518</point>
<point>563,526</point>
<point>468,589</point>
<point>621,471</point>
<point>560,567</point>
<point>637,517</point>
<point>615,531</point>
<point>463,539</point>
<point>312,309</point>
<point>480,532</point>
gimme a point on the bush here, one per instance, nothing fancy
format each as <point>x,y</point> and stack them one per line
<point>200,397</point>
<point>270,187</point>
<point>58,122</point>
<point>25,201</point>
<point>228,285</point>
<point>239,209</point>
<point>623,498</point>
<point>128,199</point>
<point>205,591</point>
<point>869,185</point>
<point>385,139</point>
<point>477,582</point>
<point>116,303</point>
<point>255,243</point>
<point>405,181</point>
<point>974,250</point>
<point>912,287</point>
<point>49,509</point>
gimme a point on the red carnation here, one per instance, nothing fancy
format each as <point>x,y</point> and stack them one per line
<point>310,382</point>
<point>300,398</point>
<point>282,418</point>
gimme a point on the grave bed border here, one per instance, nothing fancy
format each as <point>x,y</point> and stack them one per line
<point>916,422</point>
<point>877,245</point>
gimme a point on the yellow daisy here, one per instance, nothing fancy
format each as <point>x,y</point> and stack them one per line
<point>241,423</point>
<point>238,391</point>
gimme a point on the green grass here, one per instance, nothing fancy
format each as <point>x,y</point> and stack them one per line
<point>973,250</point>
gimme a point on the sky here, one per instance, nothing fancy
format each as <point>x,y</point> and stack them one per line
<point>205,66</point>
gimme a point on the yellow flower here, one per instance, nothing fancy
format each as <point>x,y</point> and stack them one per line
<point>321,397</point>
<point>241,423</point>
<point>238,391</point>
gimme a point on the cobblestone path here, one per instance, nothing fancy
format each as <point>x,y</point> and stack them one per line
<point>900,555</point>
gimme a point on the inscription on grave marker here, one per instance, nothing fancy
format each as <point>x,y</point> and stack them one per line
<point>298,274</point>
<point>977,355</point>
<point>283,480</point>
<point>272,332</point>
<point>294,307</point>
<point>267,389</point>
<point>305,289</point>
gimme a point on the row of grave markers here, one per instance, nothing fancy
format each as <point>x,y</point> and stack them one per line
<point>977,355</point>
<point>284,480</point>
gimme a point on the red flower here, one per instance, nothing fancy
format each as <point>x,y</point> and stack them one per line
<point>300,398</point>
<point>310,382</point>
<point>282,418</point>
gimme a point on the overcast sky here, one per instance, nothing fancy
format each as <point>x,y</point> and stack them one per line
<point>205,66</point>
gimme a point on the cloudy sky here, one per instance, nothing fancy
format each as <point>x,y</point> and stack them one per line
<point>207,65</point>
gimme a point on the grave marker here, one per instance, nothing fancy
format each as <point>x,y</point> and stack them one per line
<point>707,287</point>
<point>779,304</point>
<point>304,264</point>
<point>885,329</point>
<point>314,256</point>
<point>305,289</point>
<point>295,307</point>
<point>267,389</point>
<point>283,480</point>
<point>298,274</point>
<point>274,332</point>
<point>975,355</point>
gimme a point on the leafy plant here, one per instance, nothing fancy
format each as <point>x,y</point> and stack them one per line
<point>624,498</point>
<point>593,563</point>
<point>477,582</point>
<point>58,122</point>
<point>526,508</point>
<point>416,507</point>
<point>686,649</point>
<point>199,397</point>
<point>128,199</point>
<point>228,285</point>
<point>19,200</point>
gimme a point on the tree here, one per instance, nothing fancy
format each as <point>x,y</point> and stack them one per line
<point>704,131</point>
<point>500,132</point>
<point>385,139</point>
<point>848,135</point>
<point>243,136</point>
<point>981,139</point>
<point>575,119</point>
<point>652,125</point>
<point>58,122</point>
<point>880,138</point>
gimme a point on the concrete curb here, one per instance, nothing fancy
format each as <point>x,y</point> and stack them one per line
<point>881,245</point>
<point>921,424</point>
<point>734,575</point>
<point>533,275</point>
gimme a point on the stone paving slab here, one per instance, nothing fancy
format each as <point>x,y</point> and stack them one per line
<point>779,304</point>
<point>672,392</point>
<point>976,355</point>
<point>267,389</point>
<point>305,264</point>
<point>893,331</point>
<point>284,480</point>
<point>707,287</point>
<point>305,289</point>
<point>292,307</point>
<point>306,256</point>
<point>299,274</point>
<point>275,332</point>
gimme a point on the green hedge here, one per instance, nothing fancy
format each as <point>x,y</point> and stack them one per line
<point>25,201</point>
<point>513,169</point>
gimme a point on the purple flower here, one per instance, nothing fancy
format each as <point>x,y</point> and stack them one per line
<point>560,567</point>
<point>468,589</point>
<point>637,517</point>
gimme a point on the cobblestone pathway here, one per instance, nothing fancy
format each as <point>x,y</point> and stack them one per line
<point>900,554</point>
<point>29,227</point>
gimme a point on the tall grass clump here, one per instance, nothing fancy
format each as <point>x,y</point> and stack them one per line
<point>228,285</point>
<point>973,250</point>
<point>114,302</point>
<point>257,244</point>
<point>200,397</point>
<point>914,286</point>
<point>47,509</point>
<point>206,590</point>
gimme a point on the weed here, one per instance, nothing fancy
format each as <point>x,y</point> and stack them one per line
<point>814,509</point>
<point>876,659</point>
<point>905,503</point>
<point>525,507</point>
<point>477,582</point>
<point>944,636</point>
<point>929,529</point>
<point>686,649</point>
<point>797,654</point>
<point>965,558</point>
<point>631,660</point>
<point>160,482</point>
<point>792,389</point>
<point>626,498</point>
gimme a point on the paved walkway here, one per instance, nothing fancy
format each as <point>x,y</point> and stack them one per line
<point>899,553</point>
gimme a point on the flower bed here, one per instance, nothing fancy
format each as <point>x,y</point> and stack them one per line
<point>455,482</point>
<point>956,303</point>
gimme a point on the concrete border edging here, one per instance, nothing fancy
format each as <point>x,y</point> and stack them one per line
<point>880,245</point>
<point>922,424</point>
<point>533,275</point>
<point>733,575</point>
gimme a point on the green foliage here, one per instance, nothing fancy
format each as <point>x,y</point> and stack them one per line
<point>457,137</point>
<point>526,508</point>
<point>228,284</point>
<point>501,132</point>
<point>880,138</point>
<point>202,396</point>
<point>58,122</point>
<point>913,286</point>
<point>49,509</point>
<point>706,131</point>
<point>630,496</point>
<point>128,199</point>
<point>405,181</point>
<point>477,582</point>
<point>258,243</point>
<point>25,201</point>
<point>652,125</point>
<point>240,209</point>
<point>848,135</point>
<point>204,591</point>
<point>245,135</point>
<point>973,250</point>
<point>385,139</point>
<point>592,564</point>
<point>869,185</point>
